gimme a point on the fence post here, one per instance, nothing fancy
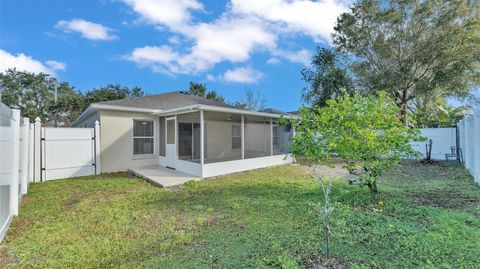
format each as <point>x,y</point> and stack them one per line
<point>37,167</point>
<point>31,157</point>
<point>98,162</point>
<point>476,146</point>
<point>25,157</point>
<point>15,164</point>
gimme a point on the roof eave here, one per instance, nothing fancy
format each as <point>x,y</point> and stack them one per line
<point>198,107</point>
<point>95,107</point>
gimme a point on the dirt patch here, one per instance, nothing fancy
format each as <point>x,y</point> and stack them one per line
<point>450,199</point>
<point>439,170</point>
<point>336,169</point>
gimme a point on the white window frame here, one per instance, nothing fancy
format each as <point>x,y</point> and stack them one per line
<point>143,137</point>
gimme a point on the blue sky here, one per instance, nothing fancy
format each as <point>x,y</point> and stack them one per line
<point>161,45</point>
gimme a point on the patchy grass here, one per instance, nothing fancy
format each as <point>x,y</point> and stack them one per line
<point>430,218</point>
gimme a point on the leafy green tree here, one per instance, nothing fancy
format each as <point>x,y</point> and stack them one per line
<point>412,48</point>
<point>327,77</point>
<point>111,92</point>
<point>433,111</point>
<point>213,95</point>
<point>200,89</point>
<point>363,131</point>
<point>34,95</point>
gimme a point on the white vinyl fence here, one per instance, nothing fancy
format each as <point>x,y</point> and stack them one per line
<point>444,141</point>
<point>32,153</point>
<point>14,173</point>
<point>469,134</point>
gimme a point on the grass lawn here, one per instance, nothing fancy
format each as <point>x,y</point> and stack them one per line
<point>259,219</point>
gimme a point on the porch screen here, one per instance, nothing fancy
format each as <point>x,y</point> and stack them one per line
<point>281,138</point>
<point>223,137</point>
<point>189,136</point>
<point>257,137</point>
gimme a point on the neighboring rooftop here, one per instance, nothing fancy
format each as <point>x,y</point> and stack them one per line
<point>165,101</point>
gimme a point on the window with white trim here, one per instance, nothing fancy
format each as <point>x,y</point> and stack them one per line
<point>143,137</point>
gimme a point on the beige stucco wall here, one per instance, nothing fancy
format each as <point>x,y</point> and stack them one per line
<point>116,132</point>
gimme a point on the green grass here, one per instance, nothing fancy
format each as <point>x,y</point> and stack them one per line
<point>257,219</point>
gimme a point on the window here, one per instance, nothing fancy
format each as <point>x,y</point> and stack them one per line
<point>142,137</point>
<point>236,137</point>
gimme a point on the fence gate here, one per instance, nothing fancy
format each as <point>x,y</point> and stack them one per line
<point>67,152</point>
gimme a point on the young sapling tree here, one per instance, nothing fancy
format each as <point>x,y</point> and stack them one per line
<point>363,131</point>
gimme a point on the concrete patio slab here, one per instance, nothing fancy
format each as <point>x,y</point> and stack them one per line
<point>162,176</point>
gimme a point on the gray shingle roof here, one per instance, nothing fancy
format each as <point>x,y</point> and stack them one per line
<point>164,101</point>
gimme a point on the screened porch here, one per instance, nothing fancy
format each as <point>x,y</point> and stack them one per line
<point>205,137</point>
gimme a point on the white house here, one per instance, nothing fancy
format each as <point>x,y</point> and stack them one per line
<point>187,133</point>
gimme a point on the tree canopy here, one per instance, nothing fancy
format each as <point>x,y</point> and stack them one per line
<point>412,48</point>
<point>200,89</point>
<point>34,95</point>
<point>111,92</point>
<point>363,131</point>
<point>326,78</point>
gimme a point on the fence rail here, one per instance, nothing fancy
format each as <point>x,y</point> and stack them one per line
<point>469,137</point>
<point>32,153</point>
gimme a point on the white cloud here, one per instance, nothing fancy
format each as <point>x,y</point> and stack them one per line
<point>226,39</point>
<point>315,18</point>
<point>244,28</point>
<point>174,40</point>
<point>242,75</point>
<point>88,30</point>
<point>302,56</point>
<point>211,77</point>
<point>273,61</point>
<point>159,59</point>
<point>173,13</point>
<point>24,62</point>
<point>55,65</point>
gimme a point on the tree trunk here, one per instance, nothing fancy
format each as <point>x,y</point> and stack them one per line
<point>402,100</point>
<point>372,186</point>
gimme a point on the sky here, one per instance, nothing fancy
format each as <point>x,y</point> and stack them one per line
<point>162,45</point>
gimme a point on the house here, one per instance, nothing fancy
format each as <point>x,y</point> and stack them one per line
<point>187,133</point>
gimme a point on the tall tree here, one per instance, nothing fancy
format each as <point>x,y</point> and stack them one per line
<point>253,100</point>
<point>111,92</point>
<point>326,78</point>
<point>34,95</point>
<point>200,89</point>
<point>412,48</point>
<point>213,95</point>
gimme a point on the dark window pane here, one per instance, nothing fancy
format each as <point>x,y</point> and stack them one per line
<point>143,146</point>
<point>142,128</point>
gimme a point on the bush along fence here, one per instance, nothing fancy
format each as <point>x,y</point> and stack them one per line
<point>469,140</point>
<point>30,152</point>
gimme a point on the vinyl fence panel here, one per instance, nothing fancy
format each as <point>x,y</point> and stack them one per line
<point>67,152</point>
<point>469,133</point>
<point>6,148</point>
<point>443,139</point>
